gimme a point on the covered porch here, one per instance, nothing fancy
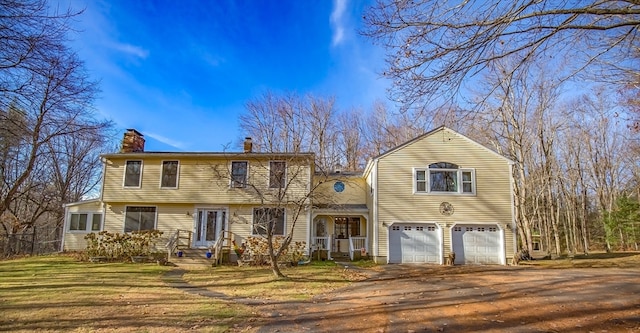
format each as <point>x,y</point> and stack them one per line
<point>341,232</point>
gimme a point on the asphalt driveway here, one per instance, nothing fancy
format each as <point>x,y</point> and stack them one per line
<point>424,298</point>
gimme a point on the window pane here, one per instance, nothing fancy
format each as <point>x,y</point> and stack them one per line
<point>170,174</point>
<point>421,175</point>
<point>132,173</point>
<point>73,224</point>
<point>421,186</point>
<point>238,174</point>
<point>264,218</point>
<point>443,181</point>
<point>443,165</point>
<point>82,222</point>
<point>467,188</point>
<point>139,218</point>
<point>277,174</point>
<point>466,176</point>
<point>95,223</point>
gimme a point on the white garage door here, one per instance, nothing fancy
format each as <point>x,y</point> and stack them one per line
<point>414,243</point>
<point>477,244</point>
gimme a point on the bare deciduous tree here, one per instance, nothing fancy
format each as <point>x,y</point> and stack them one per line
<point>436,47</point>
<point>45,103</point>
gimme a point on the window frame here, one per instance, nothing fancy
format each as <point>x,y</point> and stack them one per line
<point>347,223</point>
<point>233,183</point>
<point>155,218</point>
<point>459,181</point>
<point>126,168</point>
<point>89,223</point>
<point>162,174</point>
<point>254,230</point>
<point>283,181</point>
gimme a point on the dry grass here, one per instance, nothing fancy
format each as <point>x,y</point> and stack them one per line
<point>58,293</point>
<point>593,260</point>
<point>302,282</point>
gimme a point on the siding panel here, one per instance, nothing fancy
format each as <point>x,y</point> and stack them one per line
<point>398,203</point>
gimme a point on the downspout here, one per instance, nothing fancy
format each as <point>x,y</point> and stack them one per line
<point>310,210</point>
<point>64,226</point>
<point>514,225</point>
<point>374,182</point>
<point>104,205</point>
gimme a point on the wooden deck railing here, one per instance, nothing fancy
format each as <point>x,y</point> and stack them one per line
<point>175,242</point>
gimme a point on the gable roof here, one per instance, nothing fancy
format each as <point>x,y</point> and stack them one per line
<point>427,134</point>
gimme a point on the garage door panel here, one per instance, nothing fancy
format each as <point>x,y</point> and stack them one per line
<point>477,244</point>
<point>414,243</point>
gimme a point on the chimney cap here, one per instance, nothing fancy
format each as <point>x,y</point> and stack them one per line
<point>134,131</point>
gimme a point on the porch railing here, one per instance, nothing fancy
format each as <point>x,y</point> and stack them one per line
<point>357,244</point>
<point>174,241</point>
<point>322,243</point>
<point>217,248</point>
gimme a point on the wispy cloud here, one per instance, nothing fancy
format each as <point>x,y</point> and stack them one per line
<point>337,21</point>
<point>165,140</point>
<point>134,50</point>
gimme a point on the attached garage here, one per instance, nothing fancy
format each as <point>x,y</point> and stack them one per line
<point>477,244</point>
<point>414,243</point>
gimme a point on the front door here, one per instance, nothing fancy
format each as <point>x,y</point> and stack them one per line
<point>210,225</point>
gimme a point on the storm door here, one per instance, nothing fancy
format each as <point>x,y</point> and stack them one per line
<point>210,225</point>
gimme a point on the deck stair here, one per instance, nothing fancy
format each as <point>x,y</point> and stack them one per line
<point>192,259</point>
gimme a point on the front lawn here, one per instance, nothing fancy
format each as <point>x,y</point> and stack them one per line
<point>59,293</point>
<point>302,282</point>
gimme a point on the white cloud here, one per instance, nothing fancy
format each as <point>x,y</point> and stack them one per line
<point>337,21</point>
<point>131,49</point>
<point>165,140</point>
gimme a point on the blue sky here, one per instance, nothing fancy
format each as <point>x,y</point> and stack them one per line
<point>181,72</point>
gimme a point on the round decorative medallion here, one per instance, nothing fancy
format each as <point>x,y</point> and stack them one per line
<point>446,208</point>
<point>338,186</point>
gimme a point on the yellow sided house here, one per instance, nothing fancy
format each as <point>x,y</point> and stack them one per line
<point>438,194</point>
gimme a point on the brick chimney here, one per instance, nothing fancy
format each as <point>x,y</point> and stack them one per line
<point>133,142</point>
<point>248,145</point>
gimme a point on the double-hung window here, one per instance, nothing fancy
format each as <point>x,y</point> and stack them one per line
<point>169,174</point>
<point>268,219</point>
<point>85,222</point>
<point>277,174</point>
<point>443,178</point>
<point>139,218</point>
<point>133,174</point>
<point>239,174</point>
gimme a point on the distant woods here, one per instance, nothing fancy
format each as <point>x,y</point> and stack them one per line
<point>50,136</point>
<point>343,139</point>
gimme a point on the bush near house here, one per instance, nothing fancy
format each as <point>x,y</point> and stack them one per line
<point>116,246</point>
<point>258,249</point>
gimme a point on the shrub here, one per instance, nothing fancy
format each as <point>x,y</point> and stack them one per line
<point>116,246</point>
<point>259,249</point>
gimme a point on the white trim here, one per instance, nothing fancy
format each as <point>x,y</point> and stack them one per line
<point>162,175</point>
<point>77,203</point>
<point>124,174</point>
<point>460,184</point>
<point>88,229</point>
<point>375,222</point>
<point>514,224</point>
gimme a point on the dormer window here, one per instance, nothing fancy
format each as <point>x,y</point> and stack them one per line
<point>443,178</point>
